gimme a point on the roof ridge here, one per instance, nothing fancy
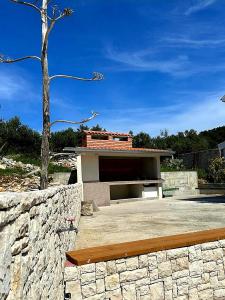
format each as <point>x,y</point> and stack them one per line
<point>106,132</point>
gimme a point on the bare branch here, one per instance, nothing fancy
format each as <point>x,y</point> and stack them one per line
<point>94,114</point>
<point>95,77</point>
<point>7,60</point>
<point>27,4</point>
<point>66,12</point>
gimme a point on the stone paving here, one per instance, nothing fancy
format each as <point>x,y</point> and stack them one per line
<point>145,219</point>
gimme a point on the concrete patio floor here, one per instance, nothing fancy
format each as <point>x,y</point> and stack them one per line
<point>145,219</point>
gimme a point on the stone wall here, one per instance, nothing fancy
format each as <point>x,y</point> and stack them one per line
<point>32,252</point>
<point>195,272</point>
<point>186,182</point>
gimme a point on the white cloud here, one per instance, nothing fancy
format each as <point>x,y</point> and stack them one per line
<point>150,61</point>
<point>14,86</point>
<point>10,85</point>
<point>145,60</point>
<point>200,5</point>
<point>193,43</point>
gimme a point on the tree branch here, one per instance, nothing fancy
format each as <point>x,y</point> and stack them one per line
<point>95,76</point>
<point>27,4</point>
<point>66,12</point>
<point>94,114</point>
<point>8,60</point>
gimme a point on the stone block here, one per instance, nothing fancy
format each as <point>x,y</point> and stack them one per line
<point>161,256</point>
<point>219,294</point>
<point>195,253</point>
<point>212,255</point>
<point>114,295</point>
<point>129,292</point>
<point>143,261</point>
<point>169,295</point>
<point>86,278</point>
<point>121,267</point>
<point>210,266</point>
<point>205,294</point>
<point>177,253</point>
<point>180,274</point>
<point>133,275</point>
<point>111,267</point>
<point>88,290</point>
<point>179,264</point>
<point>97,297</point>
<point>70,274</point>
<point>154,274</point>
<point>132,263</point>
<point>182,289</point>
<point>112,282</point>
<point>168,283</point>
<point>144,290</point>
<point>89,268</point>
<point>196,268</point>
<point>157,291</point>
<point>100,286</point>
<point>100,269</point>
<point>145,297</point>
<point>193,294</point>
<point>142,282</point>
<point>210,245</point>
<point>164,269</point>
<point>74,288</point>
<point>152,262</point>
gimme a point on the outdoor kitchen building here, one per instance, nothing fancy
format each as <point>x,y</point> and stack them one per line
<point>110,168</point>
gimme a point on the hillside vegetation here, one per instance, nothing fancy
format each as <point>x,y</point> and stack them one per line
<point>18,138</point>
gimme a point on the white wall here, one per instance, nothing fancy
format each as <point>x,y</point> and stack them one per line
<point>87,168</point>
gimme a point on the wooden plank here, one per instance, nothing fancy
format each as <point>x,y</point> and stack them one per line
<point>128,249</point>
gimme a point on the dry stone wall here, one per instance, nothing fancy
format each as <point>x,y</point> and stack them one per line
<point>190,273</point>
<point>32,251</point>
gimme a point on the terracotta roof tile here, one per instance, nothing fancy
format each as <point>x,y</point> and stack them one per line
<point>124,149</point>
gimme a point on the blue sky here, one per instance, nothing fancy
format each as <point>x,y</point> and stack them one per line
<point>163,63</point>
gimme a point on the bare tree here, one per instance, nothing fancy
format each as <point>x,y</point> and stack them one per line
<point>48,21</point>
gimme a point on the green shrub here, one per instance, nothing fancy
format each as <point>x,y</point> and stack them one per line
<point>12,171</point>
<point>202,174</point>
<point>172,165</point>
<point>217,170</point>
<point>54,168</point>
<point>26,159</point>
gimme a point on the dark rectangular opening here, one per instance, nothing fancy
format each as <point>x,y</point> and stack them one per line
<point>99,137</point>
<point>127,168</point>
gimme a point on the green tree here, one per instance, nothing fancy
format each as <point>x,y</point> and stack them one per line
<point>142,140</point>
<point>19,138</point>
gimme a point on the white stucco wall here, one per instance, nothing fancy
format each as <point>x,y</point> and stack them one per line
<point>87,168</point>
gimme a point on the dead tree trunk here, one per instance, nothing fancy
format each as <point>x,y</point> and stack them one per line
<point>48,22</point>
<point>45,95</point>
